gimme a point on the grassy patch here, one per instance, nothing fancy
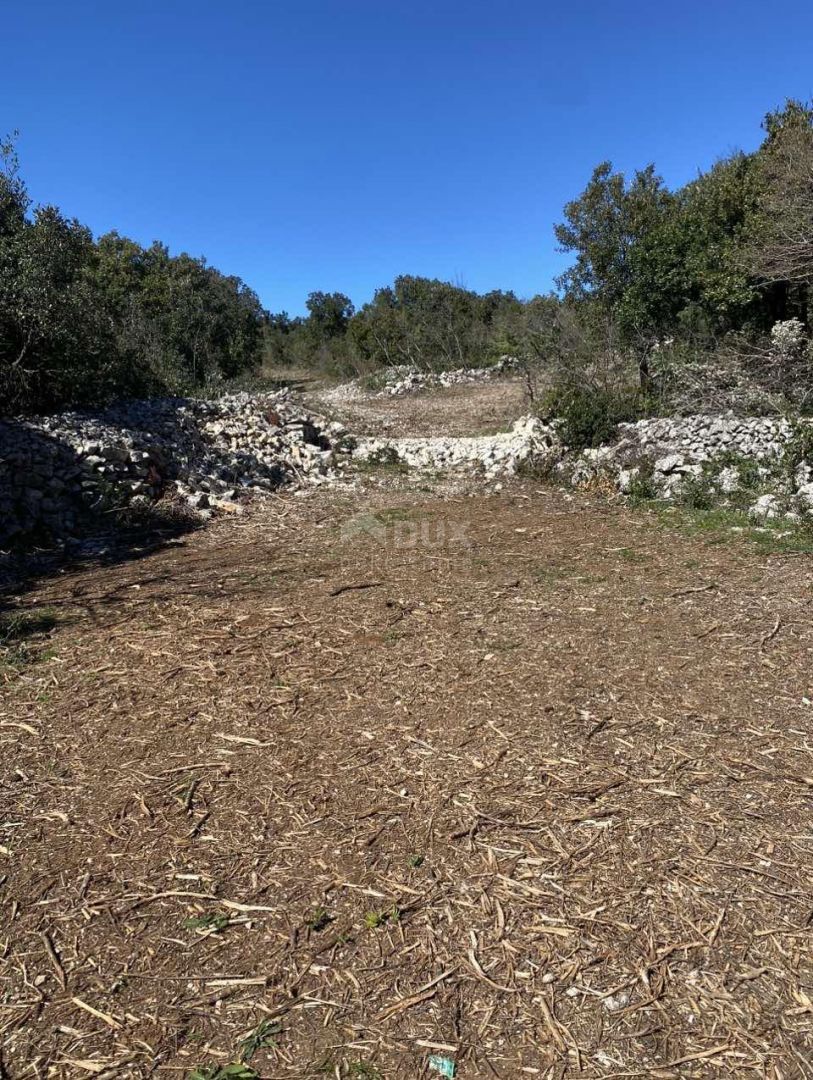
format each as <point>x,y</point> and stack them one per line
<point>21,633</point>
<point>721,525</point>
<point>386,460</point>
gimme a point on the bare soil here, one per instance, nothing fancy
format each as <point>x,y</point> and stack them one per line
<point>467,409</point>
<point>522,780</point>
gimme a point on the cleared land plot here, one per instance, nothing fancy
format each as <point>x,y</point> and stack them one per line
<point>468,409</point>
<point>520,780</point>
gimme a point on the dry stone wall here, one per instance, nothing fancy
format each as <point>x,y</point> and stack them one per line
<point>57,471</point>
<point>491,455</point>
<point>730,454</point>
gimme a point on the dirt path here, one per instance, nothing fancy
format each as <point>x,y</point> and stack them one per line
<point>520,780</point>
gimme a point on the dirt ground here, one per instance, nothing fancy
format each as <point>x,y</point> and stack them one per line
<point>467,409</point>
<point>522,780</point>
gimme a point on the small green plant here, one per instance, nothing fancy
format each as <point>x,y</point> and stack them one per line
<point>215,922</point>
<point>799,447</point>
<point>235,1071</point>
<point>415,861</point>
<point>641,487</point>
<point>697,492</point>
<point>16,628</point>
<point>374,919</point>
<point>363,1070</point>
<point>318,919</point>
<point>262,1037</point>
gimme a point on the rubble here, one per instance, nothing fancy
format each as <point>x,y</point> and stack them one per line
<point>56,471</point>
<point>492,455</point>
<point>406,379</point>
<point>733,456</point>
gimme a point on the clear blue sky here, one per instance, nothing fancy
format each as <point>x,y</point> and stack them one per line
<point>332,144</point>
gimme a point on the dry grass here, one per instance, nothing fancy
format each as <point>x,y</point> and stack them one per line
<point>521,780</point>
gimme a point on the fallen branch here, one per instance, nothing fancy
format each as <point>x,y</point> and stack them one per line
<point>352,588</point>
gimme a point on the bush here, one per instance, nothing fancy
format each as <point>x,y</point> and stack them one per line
<point>799,448</point>
<point>590,416</point>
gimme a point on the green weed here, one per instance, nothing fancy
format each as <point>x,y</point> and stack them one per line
<point>261,1038</point>
<point>214,922</point>
<point>235,1071</point>
<point>375,919</point>
<point>17,629</point>
<point>318,919</point>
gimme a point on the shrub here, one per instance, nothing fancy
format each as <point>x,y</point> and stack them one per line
<point>590,416</point>
<point>641,487</point>
<point>799,448</point>
<point>697,492</point>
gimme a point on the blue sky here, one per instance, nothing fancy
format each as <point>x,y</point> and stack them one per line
<point>318,144</point>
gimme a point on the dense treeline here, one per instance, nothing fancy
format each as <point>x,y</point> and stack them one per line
<point>697,298</point>
<point>84,321</point>
<point>417,321</point>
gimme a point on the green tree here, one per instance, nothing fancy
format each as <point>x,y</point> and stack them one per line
<point>56,341</point>
<point>329,315</point>
<point>605,228</point>
<point>782,254</point>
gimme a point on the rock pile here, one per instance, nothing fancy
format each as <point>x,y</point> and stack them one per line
<point>55,471</point>
<point>730,455</point>
<point>491,455</point>
<point>698,438</point>
<point>403,379</point>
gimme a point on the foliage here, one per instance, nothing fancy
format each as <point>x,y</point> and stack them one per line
<point>262,1037</point>
<point>799,447</point>
<point>83,322</point>
<point>235,1071</point>
<point>429,324</point>
<point>590,415</point>
<point>783,251</point>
